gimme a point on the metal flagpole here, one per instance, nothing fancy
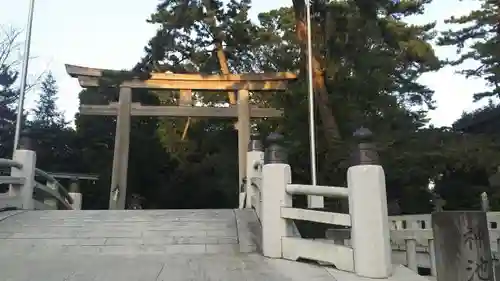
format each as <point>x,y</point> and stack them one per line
<point>24,74</point>
<point>312,201</point>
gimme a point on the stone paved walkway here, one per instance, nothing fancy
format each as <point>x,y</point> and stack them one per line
<point>139,245</point>
<point>125,232</point>
<point>182,267</point>
<point>146,245</point>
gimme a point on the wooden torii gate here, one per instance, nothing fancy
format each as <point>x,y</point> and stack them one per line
<point>186,83</point>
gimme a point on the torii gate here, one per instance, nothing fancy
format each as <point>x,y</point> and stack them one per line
<point>124,109</point>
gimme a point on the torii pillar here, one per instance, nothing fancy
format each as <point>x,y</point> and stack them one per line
<point>119,173</point>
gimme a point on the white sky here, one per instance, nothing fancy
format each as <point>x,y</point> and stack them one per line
<point>113,33</point>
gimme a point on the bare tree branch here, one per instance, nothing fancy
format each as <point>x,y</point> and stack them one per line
<point>9,43</point>
<point>11,54</point>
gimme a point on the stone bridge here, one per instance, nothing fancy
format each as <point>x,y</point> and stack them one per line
<point>147,245</point>
<point>258,241</point>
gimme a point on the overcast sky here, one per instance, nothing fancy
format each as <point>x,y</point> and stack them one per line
<point>113,33</point>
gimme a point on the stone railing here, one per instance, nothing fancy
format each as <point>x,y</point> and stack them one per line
<point>367,241</point>
<point>370,255</point>
<point>31,188</point>
<point>253,182</point>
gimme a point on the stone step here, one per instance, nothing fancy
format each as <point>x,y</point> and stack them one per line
<point>128,232</point>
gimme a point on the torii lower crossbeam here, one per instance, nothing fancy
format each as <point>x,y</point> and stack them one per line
<point>180,111</point>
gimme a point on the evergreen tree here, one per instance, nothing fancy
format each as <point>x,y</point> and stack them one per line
<point>198,36</point>
<point>53,140</point>
<point>8,93</point>
<point>208,37</point>
<point>8,98</point>
<point>368,61</point>
<point>46,113</point>
<point>479,40</point>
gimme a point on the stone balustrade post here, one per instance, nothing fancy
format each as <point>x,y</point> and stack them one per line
<point>27,158</point>
<point>485,202</point>
<point>276,175</point>
<point>368,209</point>
<point>74,193</point>
<point>255,161</point>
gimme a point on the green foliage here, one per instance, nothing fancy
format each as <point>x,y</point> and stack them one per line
<point>371,60</point>
<point>365,73</point>
<point>371,74</point>
<point>8,93</point>
<point>8,97</point>
<point>94,145</point>
<point>53,140</point>
<point>479,119</point>
<point>190,31</point>
<point>45,113</point>
<point>478,40</point>
<point>462,190</point>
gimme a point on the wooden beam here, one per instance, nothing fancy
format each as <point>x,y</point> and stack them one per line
<point>207,85</point>
<point>120,156</point>
<point>180,111</point>
<point>79,71</point>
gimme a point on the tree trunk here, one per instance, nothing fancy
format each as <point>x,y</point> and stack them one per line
<point>219,48</point>
<point>329,123</point>
<point>224,68</point>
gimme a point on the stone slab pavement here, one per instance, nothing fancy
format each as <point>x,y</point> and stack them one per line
<point>183,267</point>
<point>127,232</point>
<point>145,245</point>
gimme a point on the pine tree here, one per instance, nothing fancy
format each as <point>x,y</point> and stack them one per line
<point>53,140</point>
<point>199,36</point>
<point>8,98</point>
<point>208,37</point>
<point>46,113</point>
<point>8,93</point>
<point>478,40</point>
